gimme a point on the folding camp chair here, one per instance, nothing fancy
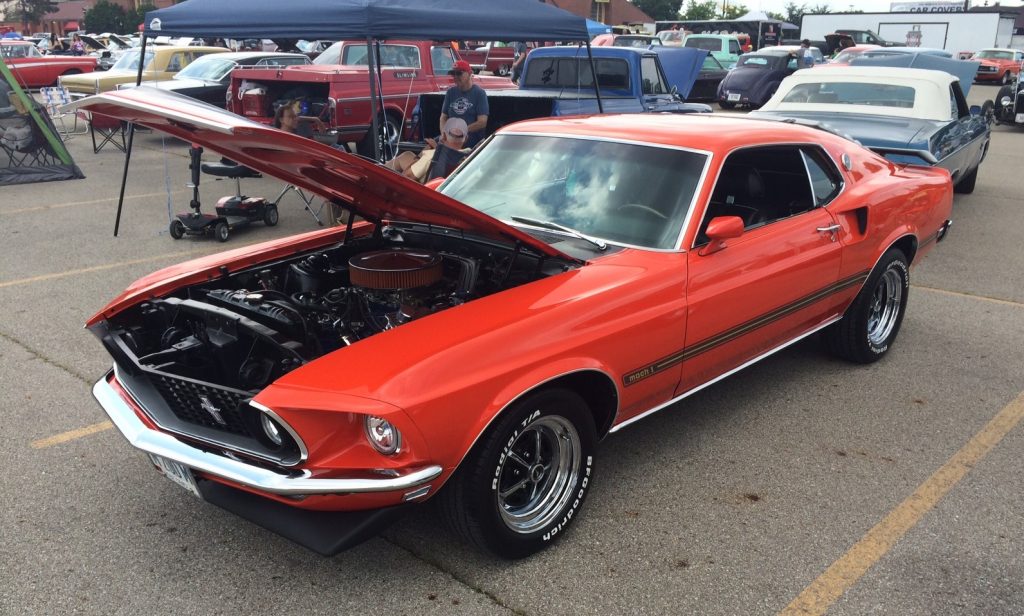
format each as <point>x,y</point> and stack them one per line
<point>306,199</point>
<point>111,130</point>
<point>54,98</point>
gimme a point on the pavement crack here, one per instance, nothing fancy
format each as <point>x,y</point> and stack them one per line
<point>46,360</point>
<point>437,565</point>
<point>987,298</point>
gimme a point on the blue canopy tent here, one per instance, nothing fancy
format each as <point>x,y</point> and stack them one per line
<point>595,28</point>
<point>370,20</point>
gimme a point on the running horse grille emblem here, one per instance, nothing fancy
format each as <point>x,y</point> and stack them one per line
<point>212,409</point>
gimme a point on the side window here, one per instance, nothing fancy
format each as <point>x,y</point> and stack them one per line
<point>651,77</point>
<point>442,60</point>
<point>957,103</point>
<point>175,63</point>
<point>734,48</point>
<point>767,184</point>
<point>826,181</point>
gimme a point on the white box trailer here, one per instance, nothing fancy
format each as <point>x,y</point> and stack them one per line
<point>952,31</point>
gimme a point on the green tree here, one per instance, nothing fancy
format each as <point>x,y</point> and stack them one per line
<point>659,10</point>
<point>794,12</point>
<point>820,8</point>
<point>732,11</point>
<point>699,11</point>
<point>105,16</point>
<point>31,12</point>
<point>134,17</point>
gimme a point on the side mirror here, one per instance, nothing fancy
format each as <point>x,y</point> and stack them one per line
<point>721,228</point>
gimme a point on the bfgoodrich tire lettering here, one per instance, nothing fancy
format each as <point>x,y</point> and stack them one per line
<point>873,320</point>
<point>522,485</point>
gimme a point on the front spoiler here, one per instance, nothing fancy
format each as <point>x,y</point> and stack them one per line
<point>298,483</point>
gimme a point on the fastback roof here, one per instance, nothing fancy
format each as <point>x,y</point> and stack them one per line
<point>505,20</point>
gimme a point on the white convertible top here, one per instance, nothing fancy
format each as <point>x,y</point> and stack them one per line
<point>931,100</point>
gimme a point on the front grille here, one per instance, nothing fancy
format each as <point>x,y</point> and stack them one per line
<point>201,405</point>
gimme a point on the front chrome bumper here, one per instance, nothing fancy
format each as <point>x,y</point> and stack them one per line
<point>298,483</point>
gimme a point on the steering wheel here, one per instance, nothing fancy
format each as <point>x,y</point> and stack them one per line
<point>643,208</point>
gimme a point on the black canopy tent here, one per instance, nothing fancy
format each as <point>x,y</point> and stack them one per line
<point>372,20</point>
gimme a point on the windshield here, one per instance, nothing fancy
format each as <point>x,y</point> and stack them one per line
<point>207,68</point>
<point>130,62</point>
<point>671,36</point>
<point>992,54</point>
<point>624,193</point>
<point>846,56</point>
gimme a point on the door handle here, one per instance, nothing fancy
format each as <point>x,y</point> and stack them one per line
<point>832,230</point>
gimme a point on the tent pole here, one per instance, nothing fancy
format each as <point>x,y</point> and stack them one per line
<point>374,122</point>
<point>597,87</point>
<point>131,137</point>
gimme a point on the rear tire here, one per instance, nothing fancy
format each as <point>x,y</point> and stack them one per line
<point>1007,78</point>
<point>270,215</point>
<point>388,138</point>
<point>873,320</point>
<point>177,229</point>
<point>523,483</point>
<point>726,105</point>
<point>966,185</point>
<point>505,70</point>
<point>220,231</point>
<point>1004,92</point>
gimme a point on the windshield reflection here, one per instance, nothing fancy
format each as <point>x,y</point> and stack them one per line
<point>623,193</point>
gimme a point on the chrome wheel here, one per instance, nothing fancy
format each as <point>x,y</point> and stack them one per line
<point>885,307</point>
<point>536,478</point>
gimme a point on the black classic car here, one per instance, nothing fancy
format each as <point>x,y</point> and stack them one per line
<point>755,78</point>
<point>207,78</point>
<point>706,87</point>
<point>1009,103</point>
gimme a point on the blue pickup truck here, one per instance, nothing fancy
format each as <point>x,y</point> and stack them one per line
<point>558,81</point>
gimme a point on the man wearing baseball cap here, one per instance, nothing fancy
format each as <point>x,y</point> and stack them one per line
<point>466,101</point>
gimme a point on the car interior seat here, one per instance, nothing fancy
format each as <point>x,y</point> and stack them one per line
<point>740,191</point>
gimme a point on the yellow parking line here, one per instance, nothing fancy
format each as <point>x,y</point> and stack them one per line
<point>85,270</point>
<point>986,298</point>
<point>845,572</point>
<point>71,435</point>
<point>39,208</point>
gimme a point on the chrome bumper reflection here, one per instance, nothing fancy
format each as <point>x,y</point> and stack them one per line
<point>151,441</point>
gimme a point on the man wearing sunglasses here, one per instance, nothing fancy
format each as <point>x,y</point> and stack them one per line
<point>466,101</point>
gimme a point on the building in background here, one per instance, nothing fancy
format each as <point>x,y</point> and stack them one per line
<point>610,12</point>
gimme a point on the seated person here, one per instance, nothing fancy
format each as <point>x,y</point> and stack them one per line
<point>417,166</point>
<point>288,118</point>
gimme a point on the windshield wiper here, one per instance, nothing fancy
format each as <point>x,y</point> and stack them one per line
<point>545,224</point>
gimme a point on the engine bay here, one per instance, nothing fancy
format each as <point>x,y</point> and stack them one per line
<point>245,329</point>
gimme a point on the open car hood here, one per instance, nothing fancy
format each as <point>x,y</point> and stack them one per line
<point>682,66</point>
<point>372,191</point>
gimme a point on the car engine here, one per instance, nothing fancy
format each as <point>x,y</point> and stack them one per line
<point>244,330</point>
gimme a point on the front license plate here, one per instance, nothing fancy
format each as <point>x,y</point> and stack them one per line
<point>178,473</point>
<point>733,97</point>
<point>1020,118</point>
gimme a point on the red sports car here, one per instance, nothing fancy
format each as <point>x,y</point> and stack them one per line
<point>34,70</point>
<point>474,343</point>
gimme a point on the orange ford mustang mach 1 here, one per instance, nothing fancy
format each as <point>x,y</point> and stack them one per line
<point>474,343</point>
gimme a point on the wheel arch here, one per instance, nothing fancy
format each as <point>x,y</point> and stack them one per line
<point>591,382</point>
<point>908,244</point>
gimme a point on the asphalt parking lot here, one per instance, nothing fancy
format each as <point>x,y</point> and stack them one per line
<point>799,485</point>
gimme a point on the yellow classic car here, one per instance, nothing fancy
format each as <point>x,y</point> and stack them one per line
<point>162,62</point>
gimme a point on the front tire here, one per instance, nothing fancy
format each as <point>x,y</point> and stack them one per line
<point>177,229</point>
<point>505,70</point>
<point>522,485</point>
<point>726,105</point>
<point>873,320</point>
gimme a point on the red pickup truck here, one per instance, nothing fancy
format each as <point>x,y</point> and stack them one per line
<point>336,88</point>
<point>490,57</point>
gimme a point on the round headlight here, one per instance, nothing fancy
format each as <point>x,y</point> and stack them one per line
<point>271,429</point>
<point>384,436</point>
